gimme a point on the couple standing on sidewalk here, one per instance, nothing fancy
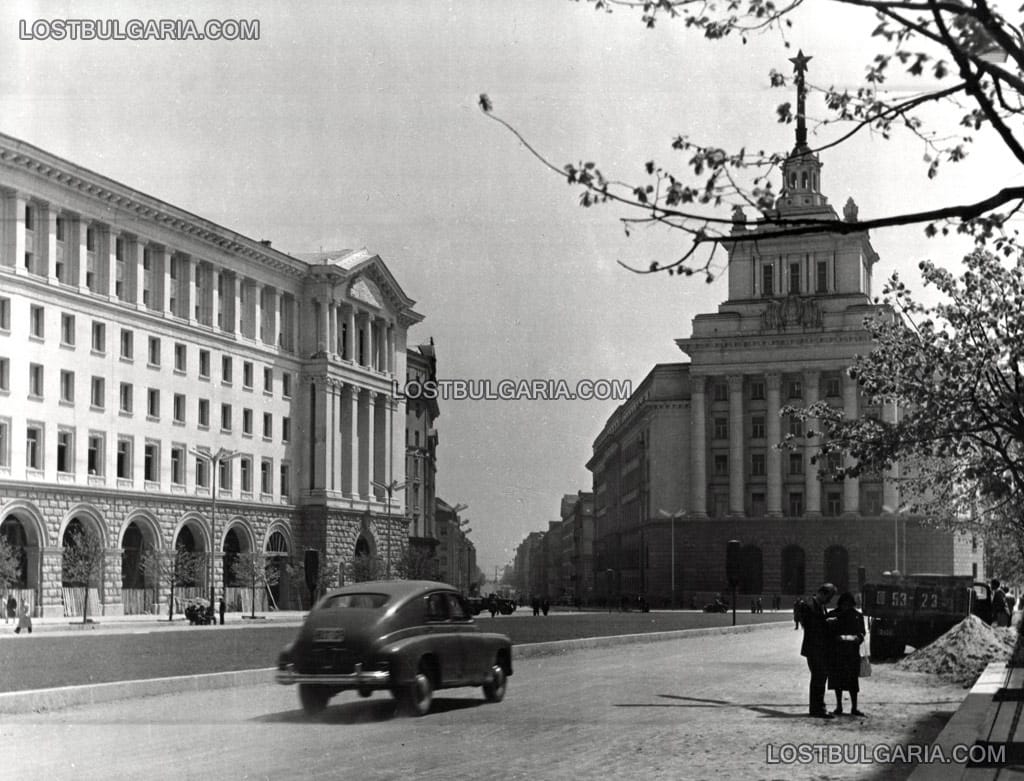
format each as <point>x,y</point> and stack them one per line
<point>831,644</point>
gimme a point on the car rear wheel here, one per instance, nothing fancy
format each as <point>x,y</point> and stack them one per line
<point>313,698</point>
<point>419,695</point>
<point>494,689</point>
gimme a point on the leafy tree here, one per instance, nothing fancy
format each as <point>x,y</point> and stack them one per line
<point>364,568</point>
<point>965,54</point>
<point>954,371</point>
<point>415,563</point>
<point>10,564</point>
<point>256,570</point>
<point>171,568</point>
<point>83,562</point>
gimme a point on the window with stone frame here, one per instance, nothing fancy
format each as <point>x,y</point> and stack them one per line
<point>757,429</point>
<point>757,390</point>
<point>796,504</point>
<point>721,428</point>
<point>721,464</point>
<point>796,463</point>
<point>757,464</point>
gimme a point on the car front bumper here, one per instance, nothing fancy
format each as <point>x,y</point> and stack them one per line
<point>358,679</point>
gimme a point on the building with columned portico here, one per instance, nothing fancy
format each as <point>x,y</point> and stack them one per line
<point>138,342</point>
<point>691,461</point>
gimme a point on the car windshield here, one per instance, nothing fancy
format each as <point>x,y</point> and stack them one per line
<point>372,601</point>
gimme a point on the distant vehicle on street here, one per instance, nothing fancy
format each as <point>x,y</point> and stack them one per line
<point>718,606</point>
<point>409,638</point>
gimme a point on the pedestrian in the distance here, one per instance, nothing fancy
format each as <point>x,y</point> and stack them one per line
<point>846,628</point>
<point>813,618</point>
<point>535,604</point>
<point>222,608</point>
<point>545,606</point>
<point>1000,614</point>
<point>24,620</point>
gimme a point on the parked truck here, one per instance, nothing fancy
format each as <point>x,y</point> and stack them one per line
<point>916,609</point>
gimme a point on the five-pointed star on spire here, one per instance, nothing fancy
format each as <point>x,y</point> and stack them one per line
<point>800,62</point>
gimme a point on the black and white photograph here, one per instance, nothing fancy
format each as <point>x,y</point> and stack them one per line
<point>541,389</point>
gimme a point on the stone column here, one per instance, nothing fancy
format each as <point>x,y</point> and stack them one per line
<point>812,485</point>
<point>75,252</point>
<point>851,486</point>
<point>232,302</point>
<point>331,444</point>
<point>773,433</point>
<point>350,333</point>
<point>737,483</point>
<point>106,262</point>
<point>380,445</point>
<point>132,271</point>
<point>698,447</point>
<point>46,242</point>
<point>319,453</point>
<point>365,443</point>
<point>257,311</point>
<point>350,440</point>
<point>332,327</point>
<point>371,341</point>
<point>323,326</point>
<point>160,269</point>
<point>12,227</point>
<point>391,348</point>
<point>186,288</point>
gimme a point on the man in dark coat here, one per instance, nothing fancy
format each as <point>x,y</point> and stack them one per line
<point>815,647</point>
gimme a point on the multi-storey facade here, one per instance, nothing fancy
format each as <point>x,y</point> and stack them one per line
<point>155,363</point>
<point>456,553</point>
<point>578,546</point>
<point>421,442</point>
<point>693,457</point>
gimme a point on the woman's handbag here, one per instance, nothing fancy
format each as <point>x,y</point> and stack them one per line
<point>865,667</point>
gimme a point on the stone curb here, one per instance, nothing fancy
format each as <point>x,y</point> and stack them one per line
<point>39,700</point>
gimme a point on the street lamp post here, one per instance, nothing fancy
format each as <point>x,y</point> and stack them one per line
<point>677,514</point>
<point>389,489</point>
<point>214,460</point>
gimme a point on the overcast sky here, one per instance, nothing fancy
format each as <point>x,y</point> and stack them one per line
<point>356,124</point>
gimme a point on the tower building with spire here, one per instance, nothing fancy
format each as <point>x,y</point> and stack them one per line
<point>691,460</point>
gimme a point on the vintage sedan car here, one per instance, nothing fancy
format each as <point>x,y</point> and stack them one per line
<point>408,637</point>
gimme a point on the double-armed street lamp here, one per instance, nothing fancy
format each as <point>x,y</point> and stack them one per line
<point>214,460</point>
<point>464,528</point>
<point>677,514</point>
<point>390,489</point>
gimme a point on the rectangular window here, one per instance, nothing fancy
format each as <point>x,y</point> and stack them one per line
<point>178,465</point>
<point>154,351</point>
<point>153,403</point>
<point>757,427</point>
<point>285,480</point>
<point>757,464</point>
<point>268,380</point>
<point>98,392</point>
<point>720,392</point>
<point>721,428</point>
<point>267,476</point>
<point>65,451</point>
<point>5,375</point>
<point>202,473</point>
<point>872,502</point>
<point>95,454</point>
<point>757,505</point>
<point>757,390</point>
<point>124,458</point>
<point>796,390</point>
<point>245,470</point>
<point>247,375</point>
<point>126,398</point>
<point>67,329</point>
<point>721,464</point>
<point>247,422</point>
<point>796,427</point>
<point>833,503</point>
<point>127,344</point>
<point>794,277</point>
<point>225,417</point>
<point>796,504</point>
<point>180,357</point>
<point>35,380</point>
<point>119,263</point>
<point>179,407</point>
<point>833,387</point>
<point>5,442</point>
<point>34,446</point>
<point>30,217</point>
<point>204,364</point>
<point>225,369</point>
<point>767,280</point>
<point>796,463</point>
<point>5,314</point>
<point>99,337</point>
<point>224,477</point>
<point>90,240</point>
<point>36,321</point>
<point>268,425</point>
<point>833,463</point>
<point>204,413</point>
<point>286,429</point>
<point>286,384</point>
<point>151,464</point>
<point>821,276</point>
<point>67,386</point>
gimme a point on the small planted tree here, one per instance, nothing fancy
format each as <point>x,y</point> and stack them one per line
<point>171,568</point>
<point>255,570</point>
<point>10,569</point>
<point>365,567</point>
<point>83,561</point>
<point>415,564</point>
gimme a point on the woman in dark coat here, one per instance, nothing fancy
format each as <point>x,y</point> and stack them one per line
<point>846,625</point>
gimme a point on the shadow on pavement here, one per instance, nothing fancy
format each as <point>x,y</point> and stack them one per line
<point>363,711</point>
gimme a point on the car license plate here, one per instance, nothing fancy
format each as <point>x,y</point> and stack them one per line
<point>329,635</point>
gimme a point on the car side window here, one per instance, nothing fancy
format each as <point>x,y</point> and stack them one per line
<point>437,609</point>
<point>456,610</point>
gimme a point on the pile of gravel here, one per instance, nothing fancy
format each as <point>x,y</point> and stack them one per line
<point>962,654</point>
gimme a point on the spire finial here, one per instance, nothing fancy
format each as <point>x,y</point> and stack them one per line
<point>799,69</point>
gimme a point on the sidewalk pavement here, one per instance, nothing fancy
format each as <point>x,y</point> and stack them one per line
<point>148,622</point>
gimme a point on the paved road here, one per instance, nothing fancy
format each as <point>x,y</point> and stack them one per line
<point>697,708</point>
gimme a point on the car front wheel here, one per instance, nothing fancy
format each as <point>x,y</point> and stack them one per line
<point>313,698</point>
<point>419,695</point>
<point>494,689</point>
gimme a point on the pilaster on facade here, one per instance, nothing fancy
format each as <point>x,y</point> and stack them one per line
<point>851,486</point>
<point>773,434</point>
<point>698,445</point>
<point>737,486</point>
<point>812,484</point>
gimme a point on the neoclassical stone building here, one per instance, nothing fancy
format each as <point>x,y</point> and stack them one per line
<point>691,457</point>
<point>149,357</point>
